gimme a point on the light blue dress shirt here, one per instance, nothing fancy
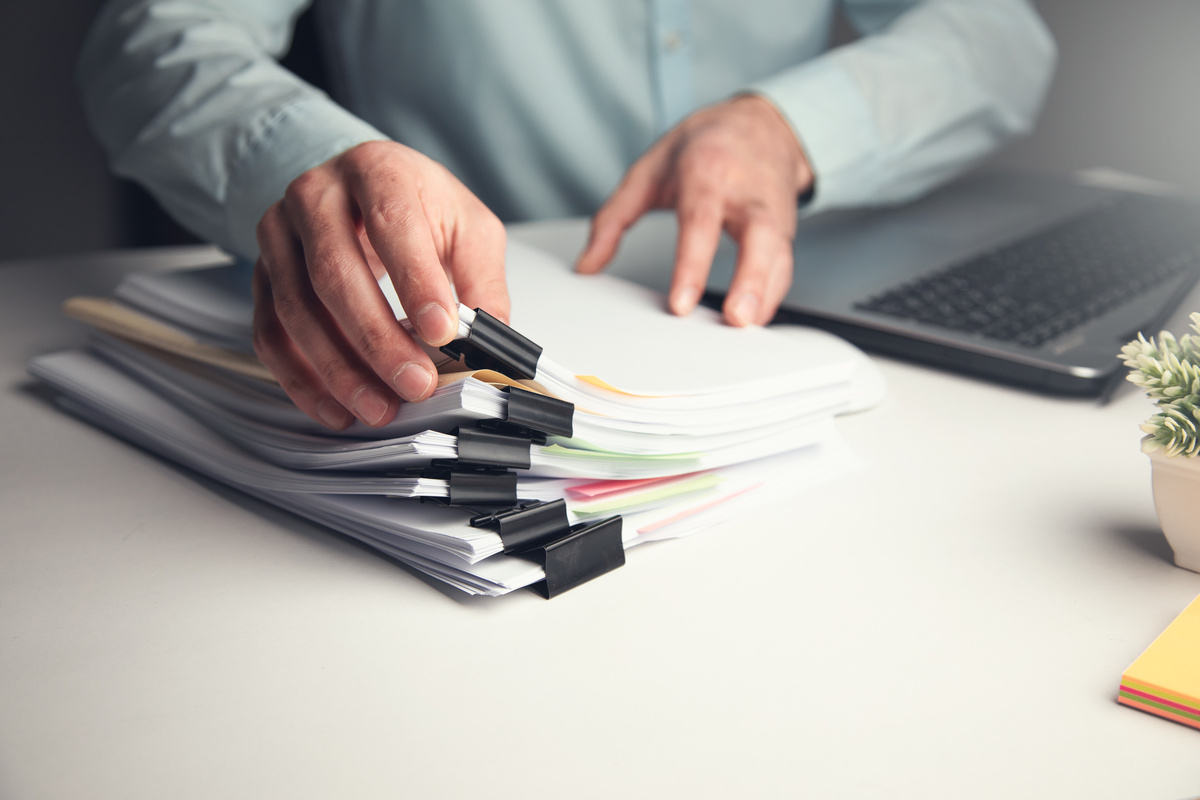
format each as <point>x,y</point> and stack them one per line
<point>539,106</point>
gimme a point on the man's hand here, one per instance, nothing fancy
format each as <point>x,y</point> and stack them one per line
<point>321,323</point>
<point>735,166</point>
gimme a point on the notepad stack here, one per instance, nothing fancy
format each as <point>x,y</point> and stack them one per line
<point>1165,680</point>
<point>521,463</point>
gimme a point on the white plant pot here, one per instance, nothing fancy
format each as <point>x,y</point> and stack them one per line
<point>1177,499</point>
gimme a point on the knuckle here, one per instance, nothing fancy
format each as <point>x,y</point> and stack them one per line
<point>603,219</point>
<point>294,386</point>
<point>389,215</point>
<point>291,312</point>
<point>375,343</point>
<point>305,189</point>
<point>758,216</point>
<point>317,227</point>
<point>704,212</point>
<point>704,157</point>
<point>371,159</point>
<point>331,271</point>
<point>336,376</point>
<point>368,152</point>
<point>387,166</point>
<point>709,193</point>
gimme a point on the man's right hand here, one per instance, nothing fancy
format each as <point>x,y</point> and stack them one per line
<point>321,324</point>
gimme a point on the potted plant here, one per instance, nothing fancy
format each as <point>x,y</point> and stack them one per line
<point>1168,369</point>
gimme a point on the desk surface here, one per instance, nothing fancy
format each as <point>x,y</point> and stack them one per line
<point>951,621</point>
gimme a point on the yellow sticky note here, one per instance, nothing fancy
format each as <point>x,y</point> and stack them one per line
<point>1165,679</point>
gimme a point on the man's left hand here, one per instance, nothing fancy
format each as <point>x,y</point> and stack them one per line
<point>735,166</point>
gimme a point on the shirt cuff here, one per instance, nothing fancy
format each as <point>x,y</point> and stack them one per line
<point>830,118</point>
<point>298,138</point>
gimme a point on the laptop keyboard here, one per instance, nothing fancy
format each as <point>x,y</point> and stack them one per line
<point>1035,290</point>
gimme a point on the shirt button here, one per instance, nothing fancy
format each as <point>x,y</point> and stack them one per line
<point>672,42</point>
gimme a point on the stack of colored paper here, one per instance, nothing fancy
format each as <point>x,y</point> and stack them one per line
<point>1165,680</point>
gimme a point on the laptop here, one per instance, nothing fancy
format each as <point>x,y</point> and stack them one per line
<point>1028,279</point>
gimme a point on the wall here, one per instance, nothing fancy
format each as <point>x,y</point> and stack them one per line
<point>55,193</point>
<point>1124,97</point>
<point>1126,92</point>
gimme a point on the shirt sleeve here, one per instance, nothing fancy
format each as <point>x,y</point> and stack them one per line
<point>929,89</point>
<point>186,97</point>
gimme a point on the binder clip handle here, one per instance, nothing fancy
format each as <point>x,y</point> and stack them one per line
<point>491,344</point>
<point>569,555</point>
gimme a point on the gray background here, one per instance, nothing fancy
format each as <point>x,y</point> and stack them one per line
<point>1124,97</point>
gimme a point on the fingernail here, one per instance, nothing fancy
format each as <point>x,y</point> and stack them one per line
<point>411,381</point>
<point>743,310</point>
<point>684,300</point>
<point>435,325</point>
<point>332,414</point>
<point>370,405</point>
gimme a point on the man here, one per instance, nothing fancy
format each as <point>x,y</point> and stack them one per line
<point>456,111</point>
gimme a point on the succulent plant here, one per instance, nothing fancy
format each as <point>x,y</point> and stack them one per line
<point>1168,369</point>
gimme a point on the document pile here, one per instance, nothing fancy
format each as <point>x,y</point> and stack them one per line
<point>517,471</point>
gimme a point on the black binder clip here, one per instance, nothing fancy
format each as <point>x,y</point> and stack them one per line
<point>482,488</point>
<point>491,448</point>
<point>472,488</point>
<point>569,555</point>
<point>530,411</point>
<point>480,475</point>
<point>493,345</point>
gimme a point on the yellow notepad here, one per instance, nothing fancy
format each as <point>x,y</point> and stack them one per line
<point>1165,679</point>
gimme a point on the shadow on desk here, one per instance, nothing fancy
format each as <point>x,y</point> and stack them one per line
<point>1145,540</point>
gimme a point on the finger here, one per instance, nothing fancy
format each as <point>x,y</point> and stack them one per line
<point>778,284</point>
<point>700,211</point>
<point>332,308</point>
<point>378,270</point>
<point>394,216</point>
<point>312,333</point>
<point>477,262</point>
<point>637,194</point>
<point>763,267</point>
<point>279,355</point>
<point>779,216</point>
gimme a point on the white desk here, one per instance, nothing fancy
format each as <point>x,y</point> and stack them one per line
<point>951,622</point>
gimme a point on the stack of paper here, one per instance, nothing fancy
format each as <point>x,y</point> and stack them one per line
<point>675,422</point>
<point>1165,680</point>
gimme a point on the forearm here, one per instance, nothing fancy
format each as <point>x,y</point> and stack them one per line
<point>916,100</point>
<point>186,97</point>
